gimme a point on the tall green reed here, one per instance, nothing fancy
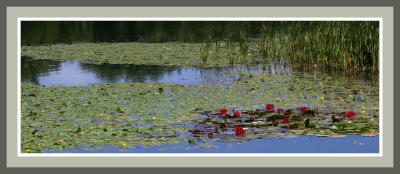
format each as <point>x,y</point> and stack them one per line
<point>335,45</point>
<point>330,45</point>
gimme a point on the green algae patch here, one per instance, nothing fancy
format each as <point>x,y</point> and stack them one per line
<point>171,53</point>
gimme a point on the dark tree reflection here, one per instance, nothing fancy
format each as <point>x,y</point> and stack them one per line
<point>31,69</point>
<point>49,32</point>
<point>113,73</point>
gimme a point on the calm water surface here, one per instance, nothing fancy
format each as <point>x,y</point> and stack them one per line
<point>300,144</point>
<point>75,73</point>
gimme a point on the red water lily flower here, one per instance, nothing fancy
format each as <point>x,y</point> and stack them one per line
<point>270,106</point>
<point>285,121</point>
<point>240,131</point>
<point>351,114</point>
<point>303,109</point>
<point>223,111</point>
<point>280,110</point>
<point>237,113</point>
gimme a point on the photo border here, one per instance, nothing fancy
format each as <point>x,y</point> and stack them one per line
<point>379,154</point>
<point>234,162</point>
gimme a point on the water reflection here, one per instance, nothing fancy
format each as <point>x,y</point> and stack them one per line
<point>74,73</point>
<point>48,32</point>
<point>112,73</point>
<point>31,70</point>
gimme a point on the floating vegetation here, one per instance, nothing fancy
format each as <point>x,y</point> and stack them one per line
<point>258,105</point>
<point>131,53</point>
<point>267,123</point>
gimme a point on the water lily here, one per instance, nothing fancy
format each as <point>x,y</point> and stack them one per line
<point>280,110</point>
<point>240,131</point>
<point>303,109</point>
<point>270,106</point>
<point>237,113</point>
<point>350,114</point>
<point>223,111</point>
<point>285,121</point>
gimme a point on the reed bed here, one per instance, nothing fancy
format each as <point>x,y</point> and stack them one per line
<point>330,45</point>
<point>349,46</point>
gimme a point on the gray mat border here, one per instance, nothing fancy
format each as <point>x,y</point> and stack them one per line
<point>180,3</point>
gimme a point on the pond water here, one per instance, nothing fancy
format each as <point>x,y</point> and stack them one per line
<point>300,144</point>
<point>75,73</point>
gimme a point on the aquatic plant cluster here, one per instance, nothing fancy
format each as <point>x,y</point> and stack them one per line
<point>329,45</point>
<point>256,105</point>
<point>269,123</point>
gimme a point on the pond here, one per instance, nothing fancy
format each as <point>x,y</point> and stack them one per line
<point>200,87</point>
<point>172,121</point>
